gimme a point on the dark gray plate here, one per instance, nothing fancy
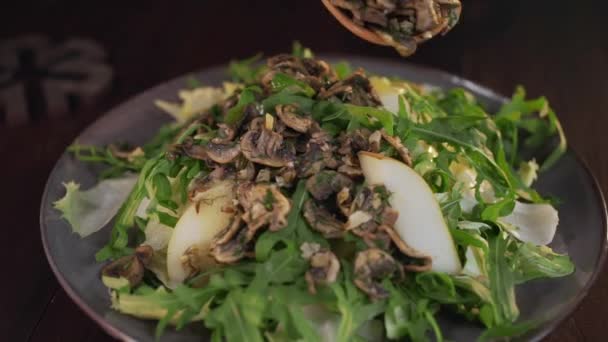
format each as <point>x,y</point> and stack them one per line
<point>581,232</point>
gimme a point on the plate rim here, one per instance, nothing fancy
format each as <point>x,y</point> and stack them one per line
<point>543,330</point>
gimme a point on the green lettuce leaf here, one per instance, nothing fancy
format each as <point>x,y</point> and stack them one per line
<point>89,211</point>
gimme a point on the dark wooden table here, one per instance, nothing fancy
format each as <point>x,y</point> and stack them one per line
<point>554,48</point>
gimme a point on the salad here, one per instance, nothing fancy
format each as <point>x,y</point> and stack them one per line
<point>316,202</point>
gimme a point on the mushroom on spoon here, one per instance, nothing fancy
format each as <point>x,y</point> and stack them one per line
<point>400,24</point>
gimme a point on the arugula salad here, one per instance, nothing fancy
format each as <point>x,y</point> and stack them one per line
<point>315,202</point>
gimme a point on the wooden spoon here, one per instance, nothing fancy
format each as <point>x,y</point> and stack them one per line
<point>357,30</point>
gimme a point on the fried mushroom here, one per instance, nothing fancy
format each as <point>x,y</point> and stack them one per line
<point>232,243</point>
<point>403,151</point>
<point>225,134</point>
<point>285,177</point>
<point>326,183</point>
<point>263,146</point>
<point>234,249</point>
<point>371,267</point>
<point>417,261</point>
<point>321,220</point>
<point>355,89</point>
<point>263,205</point>
<point>130,267</point>
<point>318,154</point>
<point>323,270</point>
<point>289,116</point>
<point>222,153</point>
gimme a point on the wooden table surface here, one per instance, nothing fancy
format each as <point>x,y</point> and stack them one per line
<point>554,48</point>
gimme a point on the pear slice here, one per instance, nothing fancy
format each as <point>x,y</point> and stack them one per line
<point>388,91</point>
<point>195,230</point>
<point>420,223</point>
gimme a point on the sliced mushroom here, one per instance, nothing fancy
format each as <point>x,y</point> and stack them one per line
<point>420,262</point>
<point>289,116</point>
<point>314,72</point>
<point>219,153</point>
<point>202,184</point>
<point>285,177</point>
<point>379,239</point>
<point>366,213</point>
<point>403,151</point>
<point>192,150</point>
<point>225,134</point>
<point>344,201</point>
<point>266,147</point>
<point>371,267</point>
<point>229,232</point>
<point>233,250</point>
<point>222,153</point>
<point>355,89</point>
<point>246,170</point>
<point>263,176</point>
<point>350,171</point>
<point>317,155</point>
<point>263,205</point>
<point>326,183</point>
<point>324,269</point>
<point>130,267</point>
<point>321,220</point>
<point>353,142</point>
<point>374,141</point>
<point>350,166</point>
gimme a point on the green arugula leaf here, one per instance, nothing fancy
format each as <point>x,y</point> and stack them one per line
<point>239,316</point>
<point>409,315</point>
<point>298,50</point>
<point>383,116</point>
<point>247,70</point>
<point>537,119</point>
<point>343,69</point>
<point>247,97</point>
<point>286,97</point>
<point>355,308</point>
<point>283,82</point>
<point>499,209</point>
<point>283,266</point>
<point>533,262</point>
<point>501,280</point>
<point>268,240</point>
